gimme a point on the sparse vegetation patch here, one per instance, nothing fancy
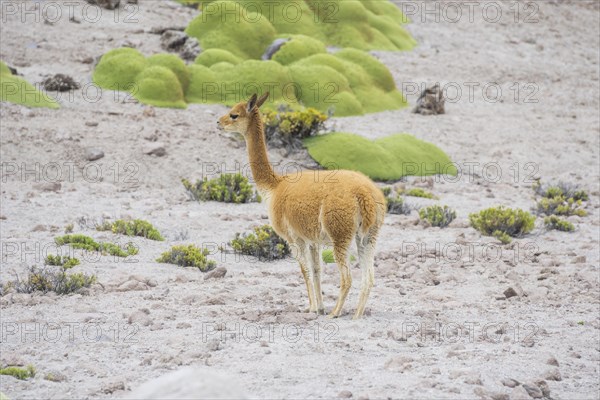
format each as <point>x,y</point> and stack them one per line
<point>19,373</point>
<point>554,222</point>
<point>227,188</point>
<point>78,241</point>
<point>137,227</point>
<point>51,280</point>
<point>65,261</point>
<point>437,215</point>
<point>188,256</point>
<point>502,223</point>
<point>262,243</point>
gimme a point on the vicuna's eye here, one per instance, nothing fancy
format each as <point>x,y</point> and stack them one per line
<point>233,116</point>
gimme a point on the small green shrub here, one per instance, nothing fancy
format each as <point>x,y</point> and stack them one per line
<point>65,261</point>
<point>51,280</point>
<point>78,241</point>
<point>262,243</point>
<point>136,227</point>
<point>188,256</point>
<point>288,128</point>
<point>567,190</point>
<point>437,215</point>
<point>553,222</point>
<point>227,188</point>
<point>19,373</point>
<point>395,204</point>
<point>502,223</point>
<point>560,205</point>
<point>417,192</point>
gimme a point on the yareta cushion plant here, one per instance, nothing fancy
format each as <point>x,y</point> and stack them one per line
<point>386,159</point>
<point>303,72</point>
<point>15,89</point>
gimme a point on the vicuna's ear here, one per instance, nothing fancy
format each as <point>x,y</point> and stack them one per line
<point>251,103</point>
<point>262,99</point>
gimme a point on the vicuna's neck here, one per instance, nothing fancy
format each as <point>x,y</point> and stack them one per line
<point>262,171</point>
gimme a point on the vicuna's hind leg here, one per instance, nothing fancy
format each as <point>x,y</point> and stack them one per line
<point>340,252</point>
<point>366,260</point>
<point>315,255</point>
<point>300,253</point>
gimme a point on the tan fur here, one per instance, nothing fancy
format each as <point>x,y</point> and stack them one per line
<point>314,208</point>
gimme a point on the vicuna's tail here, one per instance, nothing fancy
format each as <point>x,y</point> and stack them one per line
<point>372,209</point>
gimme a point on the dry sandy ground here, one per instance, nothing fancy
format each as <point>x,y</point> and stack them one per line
<point>437,326</point>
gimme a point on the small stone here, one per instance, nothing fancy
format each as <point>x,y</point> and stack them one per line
<point>345,394</point>
<point>190,50</point>
<point>113,387</point>
<point>499,396</point>
<point>274,48</point>
<point>216,273</point>
<point>552,361</point>
<point>39,228</point>
<point>172,40</point>
<point>91,123</point>
<point>214,345</point>
<point>140,317</point>
<point>553,375</point>
<point>183,325</point>
<point>510,292</point>
<point>155,148</point>
<point>519,393</point>
<point>543,387</point>
<point>108,4</point>
<point>48,186</point>
<point>579,260</point>
<point>511,383</point>
<point>93,154</point>
<point>533,390</point>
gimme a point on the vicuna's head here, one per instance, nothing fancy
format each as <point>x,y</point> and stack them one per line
<point>238,118</point>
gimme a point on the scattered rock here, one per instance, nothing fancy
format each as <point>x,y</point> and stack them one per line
<point>60,83</point>
<point>579,260</point>
<point>552,361</point>
<point>214,345</point>
<point>543,387</point>
<point>190,50</point>
<point>499,396</point>
<point>183,325</point>
<point>39,228</point>
<point>91,123</point>
<point>155,149</point>
<point>190,383</point>
<point>345,394</point>
<point>519,393</point>
<point>173,40</point>
<point>510,292</point>
<point>114,386</point>
<point>274,48</point>
<point>48,186</point>
<point>399,363</point>
<point>140,317</point>
<point>108,4</point>
<point>533,390</point>
<point>431,101</point>
<point>553,375</point>
<point>10,359</point>
<point>216,273</point>
<point>93,154</point>
<point>511,383</point>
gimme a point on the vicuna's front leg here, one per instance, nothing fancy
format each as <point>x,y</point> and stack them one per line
<point>300,253</point>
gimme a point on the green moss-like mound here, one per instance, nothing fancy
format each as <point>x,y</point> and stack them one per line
<point>203,87</point>
<point>227,24</point>
<point>212,56</point>
<point>297,48</point>
<point>15,89</point>
<point>159,86</point>
<point>386,159</point>
<point>118,69</point>
<point>175,64</point>
<point>245,35</point>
